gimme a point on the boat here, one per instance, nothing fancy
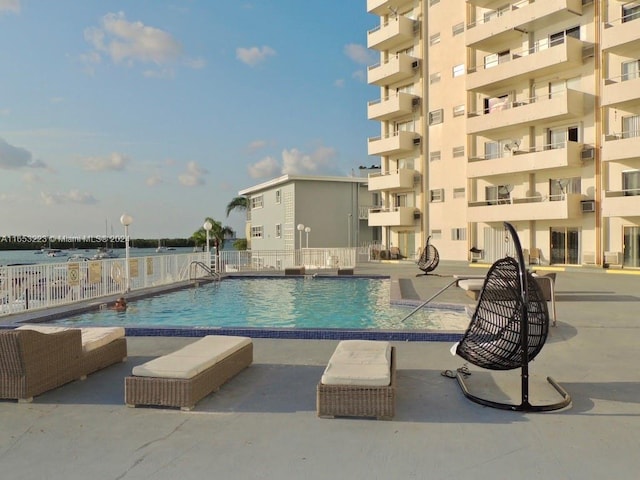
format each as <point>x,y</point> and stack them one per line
<point>104,253</point>
<point>77,258</point>
<point>54,252</point>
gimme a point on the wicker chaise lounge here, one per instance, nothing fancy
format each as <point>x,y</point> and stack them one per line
<point>359,381</point>
<point>184,377</point>
<point>32,362</point>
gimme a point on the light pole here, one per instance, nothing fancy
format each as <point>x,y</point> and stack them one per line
<point>307,230</point>
<point>300,228</point>
<point>207,226</point>
<point>126,220</point>
<point>349,222</point>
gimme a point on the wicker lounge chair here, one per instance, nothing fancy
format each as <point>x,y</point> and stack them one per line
<point>183,378</point>
<point>346,399</point>
<point>32,362</point>
<point>429,259</point>
<point>509,328</point>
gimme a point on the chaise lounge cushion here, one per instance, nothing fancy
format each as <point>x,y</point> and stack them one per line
<point>359,362</point>
<point>192,359</point>
<point>92,337</point>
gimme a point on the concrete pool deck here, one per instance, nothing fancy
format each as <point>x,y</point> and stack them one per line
<point>263,424</point>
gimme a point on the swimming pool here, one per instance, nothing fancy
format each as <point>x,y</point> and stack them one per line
<point>280,303</point>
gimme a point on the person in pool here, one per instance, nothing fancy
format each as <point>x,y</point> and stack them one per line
<point>120,305</point>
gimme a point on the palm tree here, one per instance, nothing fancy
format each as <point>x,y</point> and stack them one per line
<point>241,204</point>
<point>217,234</point>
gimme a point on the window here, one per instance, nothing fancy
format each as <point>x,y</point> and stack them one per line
<point>434,39</point>
<point>559,187</point>
<point>498,194</point>
<point>631,182</point>
<point>458,234</point>
<point>436,234</point>
<point>436,195</point>
<point>278,230</point>
<point>496,104</point>
<point>435,117</point>
<point>459,192</point>
<point>257,231</point>
<point>256,202</point>
<point>434,156</point>
<point>458,151</point>
<point>278,196</point>
<point>630,12</point>
<point>630,70</point>
<point>494,59</point>
<point>458,28</point>
<point>434,78</point>
<point>458,70</point>
<point>558,38</point>
<point>558,137</point>
<point>631,126</point>
<point>458,110</point>
<point>491,150</point>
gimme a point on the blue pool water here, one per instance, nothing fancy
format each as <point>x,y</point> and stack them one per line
<point>318,303</point>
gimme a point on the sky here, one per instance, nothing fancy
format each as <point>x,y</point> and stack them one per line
<point>165,109</point>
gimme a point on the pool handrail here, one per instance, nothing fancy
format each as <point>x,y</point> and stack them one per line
<point>430,298</point>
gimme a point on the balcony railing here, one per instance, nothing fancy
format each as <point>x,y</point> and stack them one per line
<point>400,179</point>
<point>511,21</point>
<point>550,207</point>
<point>621,35</point>
<point>393,216</point>
<point>558,155</point>
<point>621,146</point>
<point>554,107</point>
<point>399,67</point>
<point>397,31</point>
<point>396,143</point>
<point>392,106</point>
<point>622,90</point>
<point>382,7</point>
<point>541,58</point>
<point>621,203</point>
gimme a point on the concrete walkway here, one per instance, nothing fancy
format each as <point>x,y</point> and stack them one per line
<point>263,424</point>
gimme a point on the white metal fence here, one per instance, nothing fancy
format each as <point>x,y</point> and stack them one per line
<point>276,260</point>
<point>30,287</point>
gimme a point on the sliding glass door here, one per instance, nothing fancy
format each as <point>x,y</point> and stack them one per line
<point>565,246</point>
<point>631,247</point>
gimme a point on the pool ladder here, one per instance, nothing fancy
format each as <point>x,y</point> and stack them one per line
<point>208,269</point>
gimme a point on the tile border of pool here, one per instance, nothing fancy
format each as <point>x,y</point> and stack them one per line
<point>274,333</point>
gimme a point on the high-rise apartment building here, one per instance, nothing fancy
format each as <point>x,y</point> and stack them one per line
<point>527,112</point>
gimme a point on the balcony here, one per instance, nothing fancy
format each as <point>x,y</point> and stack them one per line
<point>401,179</point>
<point>528,208</point>
<point>397,31</point>
<point>621,91</point>
<point>547,157</point>
<point>392,217</point>
<point>381,7</point>
<point>510,114</point>
<point>623,203</point>
<point>399,67</point>
<point>541,59</point>
<point>621,146</point>
<point>395,144</point>
<point>622,37</point>
<point>392,107</point>
<point>519,19</point>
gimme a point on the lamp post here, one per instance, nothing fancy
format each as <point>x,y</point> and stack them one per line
<point>307,230</point>
<point>126,220</point>
<point>207,226</point>
<point>300,228</point>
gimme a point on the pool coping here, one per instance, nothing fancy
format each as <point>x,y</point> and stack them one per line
<point>56,313</point>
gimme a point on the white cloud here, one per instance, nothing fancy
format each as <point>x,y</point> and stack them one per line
<point>153,180</point>
<point>254,55</point>
<point>128,43</point>
<point>193,177</point>
<point>114,162</point>
<point>359,75</point>
<point>265,168</point>
<point>72,196</point>
<point>359,54</point>
<point>9,6</point>
<point>256,145</point>
<point>17,157</point>
<point>295,162</point>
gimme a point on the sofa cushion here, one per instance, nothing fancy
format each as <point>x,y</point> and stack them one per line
<point>359,362</point>
<point>92,337</point>
<point>192,359</point>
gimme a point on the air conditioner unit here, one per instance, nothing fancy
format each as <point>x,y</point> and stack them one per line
<point>417,140</point>
<point>415,102</point>
<point>589,258</point>
<point>588,206</point>
<point>587,154</point>
<point>612,258</point>
<point>415,64</point>
<point>416,215</point>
